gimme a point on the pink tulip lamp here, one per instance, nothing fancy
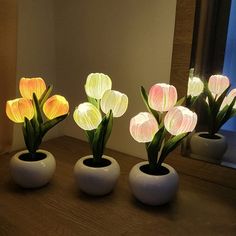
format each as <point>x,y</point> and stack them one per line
<point>97,174</point>
<point>219,107</point>
<point>38,113</point>
<point>162,129</point>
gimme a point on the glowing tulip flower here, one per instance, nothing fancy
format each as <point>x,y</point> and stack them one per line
<point>218,83</point>
<point>97,84</point>
<point>230,97</point>
<point>162,97</point>
<point>143,127</point>
<point>18,109</point>
<point>87,116</point>
<point>28,86</point>
<point>179,120</point>
<point>195,86</point>
<point>55,106</point>
<point>115,101</point>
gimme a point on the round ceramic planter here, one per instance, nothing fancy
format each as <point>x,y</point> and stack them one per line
<point>211,150</point>
<point>153,189</point>
<point>32,174</point>
<point>96,181</point>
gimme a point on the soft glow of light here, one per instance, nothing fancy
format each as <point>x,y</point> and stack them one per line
<point>162,97</point>
<point>18,109</point>
<point>87,116</point>
<point>143,127</point>
<point>97,84</point>
<point>180,120</point>
<point>218,83</point>
<point>28,86</point>
<point>195,86</point>
<point>115,101</point>
<point>55,106</point>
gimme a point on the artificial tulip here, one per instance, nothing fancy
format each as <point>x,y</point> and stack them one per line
<point>28,86</point>
<point>217,84</point>
<point>87,116</point>
<point>143,127</point>
<point>115,101</point>
<point>179,120</point>
<point>18,109</point>
<point>55,106</point>
<point>195,86</point>
<point>162,97</point>
<point>230,97</point>
<point>97,84</point>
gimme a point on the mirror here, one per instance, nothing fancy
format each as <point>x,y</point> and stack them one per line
<point>214,52</point>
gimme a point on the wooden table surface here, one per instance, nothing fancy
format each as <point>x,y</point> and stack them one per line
<point>205,203</point>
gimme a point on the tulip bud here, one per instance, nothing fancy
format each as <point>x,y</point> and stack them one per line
<point>115,101</point>
<point>18,109</point>
<point>162,97</point>
<point>217,84</point>
<point>55,106</point>
<point>143,127</point>
<point>87,116</point>
<point>97,84</point>
<point>179,120</point>
<point>195,86</point>
<point>230,97</point>
<point>28,86</point>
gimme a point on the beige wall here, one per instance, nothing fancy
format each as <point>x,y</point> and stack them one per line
<point>35,49</point>
<point>130,40</point>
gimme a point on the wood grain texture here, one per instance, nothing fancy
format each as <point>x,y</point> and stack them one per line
<point>203,206</point>
<point>182,45</point>
<point>8,25</point>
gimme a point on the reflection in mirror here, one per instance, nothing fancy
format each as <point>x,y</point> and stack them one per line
<point>214,52</point>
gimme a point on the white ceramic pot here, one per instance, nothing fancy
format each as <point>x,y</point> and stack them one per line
<point>96,181</point>
<point>32,174</point>
<point>153,189</point>
<point>211,150</point>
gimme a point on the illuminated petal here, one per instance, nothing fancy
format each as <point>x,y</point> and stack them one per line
<point>87,116</point>
<point>55,106</point>
<point>115,101</point>
<point>218,83</point>
<point>97,84</point>
<point>28,86</point>
<point>180,120</point>
<point>195,86</point>
<point>143,127</point>
<point>230,97</point>
<point>18,109</point>
<point>162,97</point>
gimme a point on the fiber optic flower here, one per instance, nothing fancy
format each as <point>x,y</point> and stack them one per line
<point>18,109</point>
<point>55,106</point>
<point>87,116</point>
<point>115,101</point>
<point>195,86</point>
<point>218,83</point>
<point>143,127</point>
<point>28,86</point>
<point>179,120</point>
<point>97,84</point>
<point>162,97</point>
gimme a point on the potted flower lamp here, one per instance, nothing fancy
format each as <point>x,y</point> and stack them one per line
<point>220,107</point>
<point>97,174</point>
<point>162,128</point>
<point>38,113</point>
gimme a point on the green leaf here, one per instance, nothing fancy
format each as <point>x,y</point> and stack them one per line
<point>170,145</point>
<point>29,135</point>
<point>109,118</point>
<point>45,95</point>
<point>94,101</point>
<point>180,101</point>
<point>145,100</point>
<point>51,123</point>
<point>37,112</point>
<point>90,136</point>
